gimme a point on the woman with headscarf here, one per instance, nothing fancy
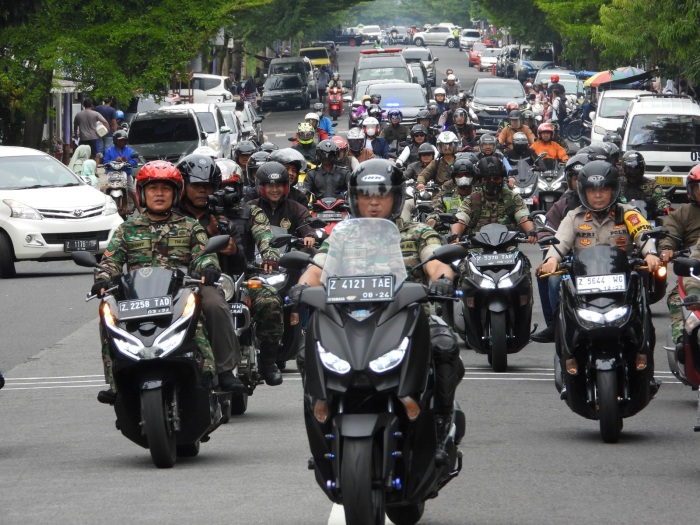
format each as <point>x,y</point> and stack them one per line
<point>81,154</point>
<point>88,173</point>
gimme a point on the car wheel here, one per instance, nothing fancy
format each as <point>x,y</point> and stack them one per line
<point>418,41</point>
<point>7,257</point>
<point>450,43</point>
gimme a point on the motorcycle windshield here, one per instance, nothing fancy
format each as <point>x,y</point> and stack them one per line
<point>363,247</point>
<point>146,283</point>
<point>600,260</point>
<point>493,235</point>
<point>526,176</point>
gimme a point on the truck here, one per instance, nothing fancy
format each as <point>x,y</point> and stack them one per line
<point>345,38</point>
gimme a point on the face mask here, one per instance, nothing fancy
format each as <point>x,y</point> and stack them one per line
<point>370,132</point>
<point>464,182</point>
<point>367,104</point>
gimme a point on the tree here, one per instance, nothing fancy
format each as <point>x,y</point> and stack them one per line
<point>527,22</point>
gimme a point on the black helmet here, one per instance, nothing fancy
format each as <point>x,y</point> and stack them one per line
<point>574,166</point>
<point>432,106</point>
<point>200,169</point>
<point>487,139</point>
<point>419,128</point>
<point>595,152</point>
<point>454,99</point>
<point>598,174</point>
<point>272,173</point>
<point>514,115</point>
<point>633,165</point>
<point>327,150</point>
<point>375,111</point>
<point>120,134</point>
<point>425,149</point>
<point>612,151</point>
<point>256,160</point>
<point>423,114</point>
<point>463,172</point>
<point>289,156</point>
<point>470,156</point>
<point>376,176</point>
<point>520,142</point>
<point>269,147</point>
<point>460,112</point>
<point>244,147</point>
<point>491,166</point>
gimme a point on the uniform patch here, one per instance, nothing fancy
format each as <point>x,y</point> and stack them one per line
<point>178,241</point>
<point>285,223</point>
<point>588,216</point>
<point>202,237</point>
<point>139,245</point>
<point>585,242</point>
<point>620,241</point>
<point>109,253</point>
<point>633,219</point>
<point>585,227</point>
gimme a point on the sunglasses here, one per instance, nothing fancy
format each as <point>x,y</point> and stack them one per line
<point>419,134</point>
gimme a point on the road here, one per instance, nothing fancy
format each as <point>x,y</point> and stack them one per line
<point>527,457</point>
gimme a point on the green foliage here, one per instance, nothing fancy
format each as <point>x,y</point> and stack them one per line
<point>411,12</point>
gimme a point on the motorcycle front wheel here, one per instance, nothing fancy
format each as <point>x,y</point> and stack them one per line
<point>155,413</point>
<point>499,349</point>
<point>363,503</point>
<point>608,406</point>
<point>406,515</point>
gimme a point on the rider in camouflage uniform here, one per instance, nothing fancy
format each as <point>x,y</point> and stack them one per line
<point>450,196</point>
<point>635,186</point>
<point>160,238</point>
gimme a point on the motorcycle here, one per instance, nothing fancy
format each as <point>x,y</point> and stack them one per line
<point>369,384</point>
<point>604,334</point>
<point>330,210</point>
<point>335,103</point>
<point>496,308</point>
<point>116,186</point>
<point>527,179</point>
<point>149,318</point>
<point>551,185</point>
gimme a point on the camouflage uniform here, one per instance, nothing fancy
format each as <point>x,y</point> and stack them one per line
<point>140,242</point>
<point>437,170</point>
<point>649,191</point>
<point>447,200</point>
<point>683,223</point>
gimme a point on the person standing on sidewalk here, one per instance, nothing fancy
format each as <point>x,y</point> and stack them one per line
<point>85,126</point>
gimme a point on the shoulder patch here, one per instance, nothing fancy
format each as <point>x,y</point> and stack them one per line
<point>202,237</point>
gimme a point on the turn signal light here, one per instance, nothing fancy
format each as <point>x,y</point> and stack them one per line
<point>321,410</point>
<point>571,366</point>
<point>107,314</point>
<point>189,306</point>
<point>661,271</point>
<point>412,408</point>
<point>641,361</point>
<point>253,284</point>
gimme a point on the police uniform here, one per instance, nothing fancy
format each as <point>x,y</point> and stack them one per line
<point>140,242</point>
<point>648,191</point>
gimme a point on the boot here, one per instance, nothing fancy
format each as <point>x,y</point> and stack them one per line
<point>108,397</point>
<point>544,336</point>
<point>230,383</point>
<point>268,367</point>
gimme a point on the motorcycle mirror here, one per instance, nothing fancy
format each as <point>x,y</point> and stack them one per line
<point>686,267</point>
<point>215,244</point>
<point>448,218</point>
<point>279,241</point>
<point>541,155</point>
<point>296,261</point>
<point>335,124</point>
<point>655,233</point>
<point>291,139</point>
<point>85,259</point>
<point>548,241</point>
<point>316,223</point>
<point>620,131</point>
<point>134,155</point>
<point>448,253</point>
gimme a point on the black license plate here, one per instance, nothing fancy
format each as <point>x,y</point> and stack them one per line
<point>331,216</point>
<point>89,245</point>
<point>237,308</point>
<point>494,259</point>
<point>361,289</point>
<point>152,307</point>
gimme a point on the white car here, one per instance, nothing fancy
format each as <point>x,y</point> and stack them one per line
<point>612,106</point>
<point>47,212</point>
<point>207,89</point>
<point>436,35</point>
<point>212,121</point>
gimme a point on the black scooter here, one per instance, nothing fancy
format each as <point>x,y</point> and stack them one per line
<point>150,318</point>
<point>369,382</point>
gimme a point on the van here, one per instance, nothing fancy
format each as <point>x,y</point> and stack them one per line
<point>381,64</point>
<point>317,55</point>
<point>612,108</point>
<point>166,135</point>
<point>665,129</point>
<point>299,65</point>
<point>467,38</point>
<point>531,59</point>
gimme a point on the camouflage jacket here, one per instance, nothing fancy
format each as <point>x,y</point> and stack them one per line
<point>478,210</point>
<point>683,223</point>
<point>438,170</point>
<point>447,200</point>
<point>649,191</point>
<point>140,242</point>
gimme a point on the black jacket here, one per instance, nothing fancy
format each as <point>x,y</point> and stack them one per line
<point>322,184</point>
<point>289,215</point>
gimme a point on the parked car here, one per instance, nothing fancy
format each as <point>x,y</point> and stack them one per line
<point>251,123</point>
<point>317,55</point>
<point>371,34</point>
<point>468,37</point>
<point>612,106</point>
<point>232,122</point>
<point>488,58</point>
<point>299,65</point>
<point>206,89</point>
<point>47,211</point>
<point>424,55</point>
<point>475,53</point>
<point>285,91</point>
<point>507,58</point>
<point>435,35</point>
<point>166,135</point>
<point>213,123</point>
<point>489,97</point>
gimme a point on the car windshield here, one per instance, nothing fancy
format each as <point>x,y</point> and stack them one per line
<point>674,132</point>
<point>287,68</point>
<point>479,46</point>
<point>313,54</point>
<point>613,107</point>
<point>416,54</point>
<point>278,83</point>
<point>207,121</point>
<point>365,247</point>
<point>371,29</point>
<point>491,52</point>
<point>499,90</point>
<point>35,171</point>
<point>158,130</point>
<point>572,86</point>
<point>538,54</point>
<point>399,98</point>
<point>383,73</point>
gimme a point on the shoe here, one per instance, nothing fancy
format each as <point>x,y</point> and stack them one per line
<point>230,383</point>
<point>108,397</point>
<point>268,368</point>
<point>544,336</point>
<point>654,386</point>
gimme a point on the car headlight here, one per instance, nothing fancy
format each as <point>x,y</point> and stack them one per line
<point>110,206</point>
<point>19,210</point>
<point>391,359</point>
<point>331,361</point>
<point>484,281</point>
<point>611,317</point>
<point>478,107</point>
<point>599,130</point>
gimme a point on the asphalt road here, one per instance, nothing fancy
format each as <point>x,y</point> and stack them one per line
<point>527,458</point>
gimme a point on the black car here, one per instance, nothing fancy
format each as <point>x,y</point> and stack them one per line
<point>166,135</point>
<point>489,99</point>
<point>285,91</point>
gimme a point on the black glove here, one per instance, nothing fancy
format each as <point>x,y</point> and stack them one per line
<point>452,238</point>
<point>98,287</point>
<point>211,274</point>
<point>442,287</point>
<point>295,293</point>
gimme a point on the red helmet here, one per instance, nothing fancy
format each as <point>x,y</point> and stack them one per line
<point>545,127</point>
<point>511,106</point>
<point>340,142</point>
<point>159,171</point>
<point>555,78</point>
<point>693,178</point>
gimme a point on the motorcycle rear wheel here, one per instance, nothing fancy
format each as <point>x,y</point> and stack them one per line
<point>156,423</point>
<point>239,404</point>
<point>608,406</point>
<point>406,515</point>
<point>363,504</point>
<point>574,130</point>
<point>499,350</point>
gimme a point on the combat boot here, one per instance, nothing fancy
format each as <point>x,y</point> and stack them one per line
<point>268,368</point>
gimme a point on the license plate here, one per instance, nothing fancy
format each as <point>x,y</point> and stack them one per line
<point>528,200</point>
<point>152,307</point>
<point>331,216</point>
<point>361,289</point>
<point>237,308</point>
<point>669,181</point>
<point>494,259</point>
<point>89,245</point>
<point>601,283</point>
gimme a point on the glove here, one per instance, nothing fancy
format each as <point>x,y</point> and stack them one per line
<point>210,274</point>
<point>452,238</point>
<point>270,264</point>
<point>295,293</point>
<point>98,286</point>
<point>442,287</point>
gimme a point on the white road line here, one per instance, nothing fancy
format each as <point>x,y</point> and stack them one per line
<point>48,387</point>
<point>337,516</point>
<point>56,377</point>
<point>101,381</point>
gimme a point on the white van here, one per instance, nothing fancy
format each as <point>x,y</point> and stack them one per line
<point>612,107</point>
<point>532,59</point>
<point>665,129</point>
<point>467,38</point>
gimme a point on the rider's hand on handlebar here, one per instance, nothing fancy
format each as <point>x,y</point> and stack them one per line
<point>210,275</point>
<point>99,288</point>
<point>652,262</point>
<point>549,266</point>
<point>511,182</point>
<point>442,287</point>
<point>269,265</point>
<point>309,242</point>
<point>420,187</point>
<point>431,223</point>
<point>666,255</point>
<point>532,237</point>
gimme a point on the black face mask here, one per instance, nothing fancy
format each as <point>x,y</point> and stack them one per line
<point>492,188</point>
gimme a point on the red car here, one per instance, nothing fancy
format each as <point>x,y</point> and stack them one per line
<point>475,53</point>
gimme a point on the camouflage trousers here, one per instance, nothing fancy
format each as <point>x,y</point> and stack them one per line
<point>674,308</point>
<point>200,338</point>
<point>266,308</point>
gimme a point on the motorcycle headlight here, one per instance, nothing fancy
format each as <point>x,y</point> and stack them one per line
<point>391,359</point>
<point>19,210</point>
<point>331,361</point>
<point>227,286</point>
<point>614,316</point>
<point>127,346</point>
<point>274,280</point>
<point>525,190</point>
<point>110,206</point>
<point>172,339</point>
<point>484,281</point>
<point>507,280</point>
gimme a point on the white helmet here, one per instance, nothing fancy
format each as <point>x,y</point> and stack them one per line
<point>370,125</point>
<point>447,137</point>
<point>439,91</point>
<point>312,116</point>
<point>450,77</point>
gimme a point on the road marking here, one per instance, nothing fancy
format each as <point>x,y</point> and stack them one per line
<point>337,516</point>
<point>52,377</point>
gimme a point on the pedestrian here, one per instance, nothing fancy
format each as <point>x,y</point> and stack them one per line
<point>85,126</point>
<point>110,114</point>
<point>231,82</point>
<point>322,79</point>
